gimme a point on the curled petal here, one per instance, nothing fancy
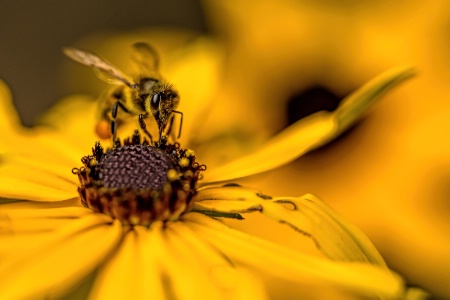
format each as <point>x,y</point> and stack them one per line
<point>333,235</point>
<point>269,258</point>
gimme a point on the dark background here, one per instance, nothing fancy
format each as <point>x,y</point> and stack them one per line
<point>32,34</point>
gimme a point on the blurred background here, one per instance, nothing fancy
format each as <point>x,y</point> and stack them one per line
<point>283,60</point>
<point>32,34</point>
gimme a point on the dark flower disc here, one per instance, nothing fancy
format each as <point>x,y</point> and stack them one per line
<point>135,166</point>
<point>139,183</point>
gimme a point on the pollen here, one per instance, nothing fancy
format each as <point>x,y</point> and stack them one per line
<point>190,153</point>
<point>139,183</point>
<point>184,162</point>
<point>172,175</point>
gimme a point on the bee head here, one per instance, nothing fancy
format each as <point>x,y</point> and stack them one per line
<point>162,103</point>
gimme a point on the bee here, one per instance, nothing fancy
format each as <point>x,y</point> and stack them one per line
<point>146,94</point>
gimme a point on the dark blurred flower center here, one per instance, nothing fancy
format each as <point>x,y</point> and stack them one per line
<point>312,100</point>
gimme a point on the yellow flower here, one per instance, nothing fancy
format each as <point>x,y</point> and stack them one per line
<point>395,164</point>
<point>52,246</point>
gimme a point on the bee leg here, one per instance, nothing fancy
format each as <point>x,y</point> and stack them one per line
<point>144,127</point>
<point>169,126</point>
<point>181,121</point>
<point>114,110</point>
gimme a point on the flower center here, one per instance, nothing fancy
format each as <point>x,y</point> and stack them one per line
<point>138,183</point>
<point>135,166</point>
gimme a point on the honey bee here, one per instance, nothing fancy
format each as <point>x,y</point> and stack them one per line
<point>141,96</point>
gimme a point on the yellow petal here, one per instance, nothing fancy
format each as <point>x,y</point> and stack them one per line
<point>354,106</point>
<point>229,206</point>
<point>24,230</point>
<point>178,261</point>
<point>172,262</point>
<point>61,212</point>
<point>41,172</point>
<point>310,132</point>
<point>74,118</point>
<point>50,147</point>
<point>415,293</point>
<point>13,229</point>
<point>123,277</point>
<point>25,182</point>
<point>72,253</point>
<point>7,204</point>
<point>333,235</point>
<point>39,168</point>
<point>29,220</point>
<point>17,138</point>
<point>226,192</point>
<point>153,255</point>
<point>156,273</point>
<point>55,175</point>
<point>22,188</point>
<point>294,141</point>
<point>194,71</point>
<point>280,262</point>
<point>9,119</point>
<point>232,282</point>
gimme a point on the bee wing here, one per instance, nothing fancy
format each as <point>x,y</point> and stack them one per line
<point>146,58</point>
<point>103,69</point>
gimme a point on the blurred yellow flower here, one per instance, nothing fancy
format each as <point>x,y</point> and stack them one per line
<point>51,245</point>
<point>390,175</point>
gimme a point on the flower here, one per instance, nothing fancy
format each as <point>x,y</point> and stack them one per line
<point>52,246</point>
<point>390,175</point>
